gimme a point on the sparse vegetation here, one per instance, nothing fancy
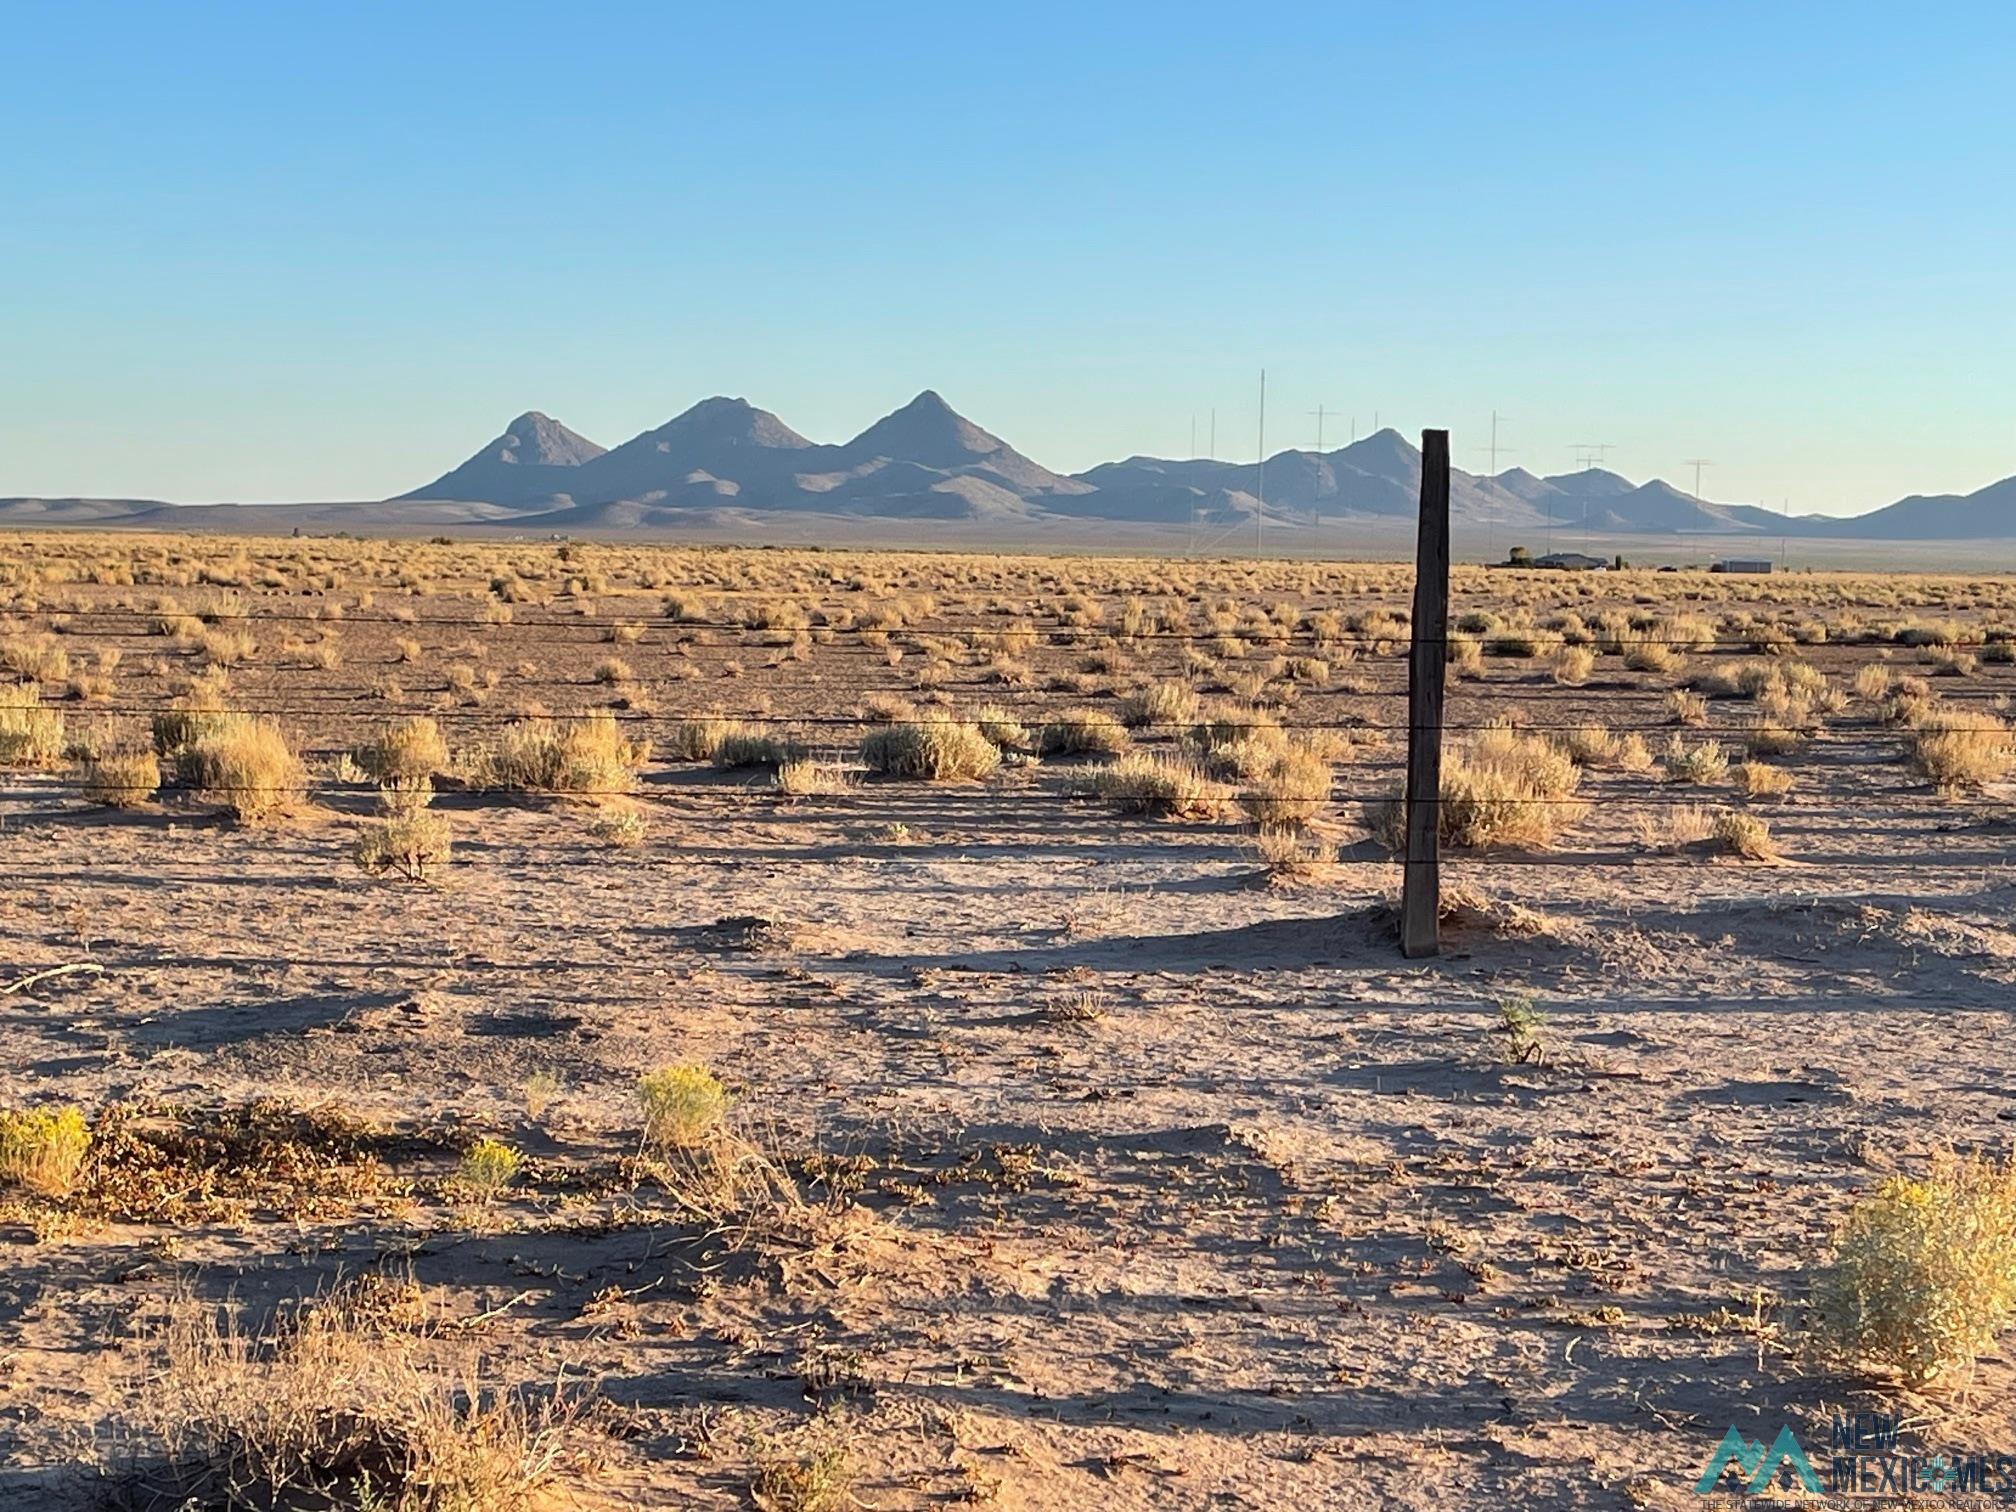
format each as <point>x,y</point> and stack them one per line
<point>1923,1277</point>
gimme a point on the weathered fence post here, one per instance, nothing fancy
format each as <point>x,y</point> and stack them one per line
<point>1427,675</point>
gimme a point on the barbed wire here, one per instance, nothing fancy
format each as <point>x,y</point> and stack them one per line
<point>1397,635</point>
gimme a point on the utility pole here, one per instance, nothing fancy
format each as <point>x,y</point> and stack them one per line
<point>1260,514</point>
<point>1697,463</point>
<point>1319,412</point>
<point>1214,433</point>
<point>1490,519</point>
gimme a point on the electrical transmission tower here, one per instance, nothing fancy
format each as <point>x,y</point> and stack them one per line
<point>1697,463</point>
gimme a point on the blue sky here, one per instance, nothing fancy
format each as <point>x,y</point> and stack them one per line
<point>315,251</point>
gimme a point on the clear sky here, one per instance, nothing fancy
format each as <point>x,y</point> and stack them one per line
<point>309,251</point>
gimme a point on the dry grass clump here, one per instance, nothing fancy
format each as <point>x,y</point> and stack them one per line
<point>410,844</point>
<point>744,745</point>
<point>34,658</point>
<point>1288,787</point>
<point>933,750</point>
<point>584,756</point>
<point>1744,835</point>
<point>1959,749</point>
<point>1872,682</point>
<point>1002,726</point>
<point>1084,732</point>
<point>698,739</point>
<point>245,764</point>
<point>1507,788</point>
<point>1595,745</point>
<point>1163,705</point>
<point>1676,828</point>
<point>407,750</point>
<point>1652,656</point>
<point>1503,788</point>
<point>805,777</point>
<point>1294,855</point>
<point>1923,1277</point>
<point>1686,708</point>
<point>618,826</point>
<point>30,734</point>
<point>332,1407</point>
<point>1703,765</point>
<point>1156,783</point>
<point>683,1106</point>
<point>822,1481</point>
<point>1759,780</point>
<point>43,1149</point>
<point>119,779</point>
<point>1573,666</point>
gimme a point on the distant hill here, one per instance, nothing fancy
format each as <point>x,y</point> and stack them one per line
<point>533,459</point>
<point>724,462</point>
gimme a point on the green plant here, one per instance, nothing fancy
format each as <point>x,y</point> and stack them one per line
<point>1523,1028</point>
<point>486,1168</point>
<point>1924,1271</point>
<point>684,1105</point>
<point>43,1149</point>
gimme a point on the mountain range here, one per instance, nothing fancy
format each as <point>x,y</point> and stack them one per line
<point>725,462</point>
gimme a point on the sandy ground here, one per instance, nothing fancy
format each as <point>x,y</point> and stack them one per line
<point>1167,1185</point>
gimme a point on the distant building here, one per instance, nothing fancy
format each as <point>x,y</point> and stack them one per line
<point>1572,561</point>
<point>1741,564</point>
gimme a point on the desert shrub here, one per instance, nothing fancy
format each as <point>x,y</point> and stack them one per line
<point>411,844</point>
<point>1651,656</point>
<point>328,1406</point>
<point>1761,781</point>
<point>934,750</point>
<point>202,710</point>
<point>1503,788</point>
<point>611,670</point>
<point>1289,786</point>
<point>620,827</point>
<point>1703,765</point>
<point>747,746</point>
<point>1744,835</point>
<point>1686,708</point>
<point>1573,665</point>
<point>683,1105</point>
<point>1159,784</point>
<point>1923,1276</point>
<point>1002,727</point>
<point>1676,827</point>
<point>30,734</point>
<point>1872,682</point>
<point>404,751</point>
<point>1465,654</point>
<point>485,1169</point>
<point>805,777</point>
<point>698,739</point>
<point>34,658</point>
<point>1163,704</point>
<point>43,1149</point>
<point>119,779</point>
<point>1959,749</point>
<point>1084,732</point>
<point>1521,642</point>
<point>245,764</point>
<point>1293,855</point>
<point>587,756</point>
<point>1595,745</point>
<point>1911,700</point>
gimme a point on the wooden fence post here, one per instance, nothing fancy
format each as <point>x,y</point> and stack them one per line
<point>1427,677</point>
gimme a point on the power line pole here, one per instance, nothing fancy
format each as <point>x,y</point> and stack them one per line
<point>1697,463</point>
<point>1214,433</point>
<point>1260,514</point>
<point>1490,519</point>
<point>1319,412</point>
